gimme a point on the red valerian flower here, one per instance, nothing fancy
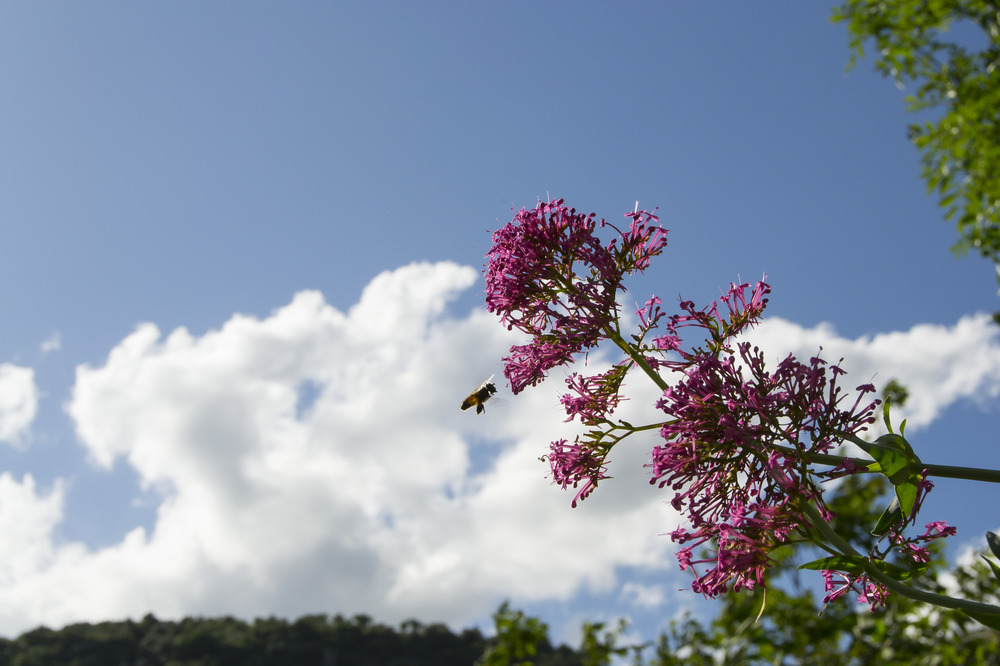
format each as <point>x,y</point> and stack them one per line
<point>737,438</point>
<point>575,463</point>
<point>869,591</point>
<point>550,276</point>
<point>740,440</point>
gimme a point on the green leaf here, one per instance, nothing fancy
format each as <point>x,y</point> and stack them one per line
<point>854,565</point>
<point>993,566</point>
<point>901,466</point>
<point>892,462</point>
<point>889,518</point>
<point>896,457</point>
<point>849,564</point>
<point>906,493</point>
<point>993,541</point>
<point>989,619</point>
<point>885,413</point>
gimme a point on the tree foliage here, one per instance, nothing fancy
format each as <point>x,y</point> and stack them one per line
<point>523,640</point>
<point>797,628</point>
<point>958,77</point>
<point>227,641</point>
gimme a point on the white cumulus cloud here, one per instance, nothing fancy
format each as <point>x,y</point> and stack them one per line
<point>315,460</point>
<point>938,365</point>
<point>18,403</point>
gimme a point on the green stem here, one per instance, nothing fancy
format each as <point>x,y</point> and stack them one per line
<point>649,426</point>
<point>637,358</point>
<point>615,336</point>
<point>942,471</point>
<point>967,473</point>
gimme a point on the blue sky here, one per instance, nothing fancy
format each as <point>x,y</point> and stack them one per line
<point>173,176</point>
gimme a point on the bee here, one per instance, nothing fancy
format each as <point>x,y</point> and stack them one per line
<point>480,395</point>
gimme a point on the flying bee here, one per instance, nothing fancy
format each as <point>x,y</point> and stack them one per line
<point>480,395</point>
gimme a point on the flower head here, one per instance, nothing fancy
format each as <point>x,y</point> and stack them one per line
<point>575,463</point>
<point>593,398</point>
<point>550,276</point>
<point>737,439</point>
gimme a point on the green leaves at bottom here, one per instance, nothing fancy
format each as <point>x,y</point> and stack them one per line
<point>855,565</point>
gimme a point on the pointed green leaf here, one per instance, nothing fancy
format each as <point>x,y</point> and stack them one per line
<point>989,619</point>
<point>895,456</point>
<point>993,541</point>
<point>889,518</point>
<point>896,443</point>
<point>993,566</point>
<point>893,463</point>
<point>901,466</point>
<point>906,493</point>
<point>854,564</point>
<point>885,413</point>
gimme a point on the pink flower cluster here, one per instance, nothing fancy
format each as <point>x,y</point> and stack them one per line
<point>736,441</point>
<point>739,439</point>
<point>550,276</point>
<point>577,463</point>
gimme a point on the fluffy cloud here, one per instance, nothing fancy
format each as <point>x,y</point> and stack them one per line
<point>18,403</point>
<point>26,523</point>
<point>938,365</point>
<point>316,461</point>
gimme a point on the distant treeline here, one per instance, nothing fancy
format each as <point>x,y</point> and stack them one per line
<point>313,640</point>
